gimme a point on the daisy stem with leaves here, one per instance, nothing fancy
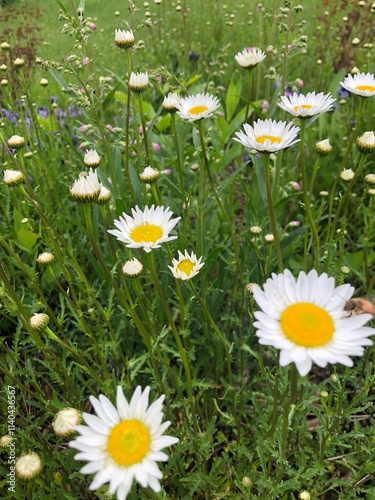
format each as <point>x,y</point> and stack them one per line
<point>176,336</point>
<point>272,211</point>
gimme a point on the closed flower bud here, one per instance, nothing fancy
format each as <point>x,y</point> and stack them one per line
<point>149,175</point>
<point>323,147</point>
<point>370,178</point>
<point>44,82</point>
<point>347,175</point>
<point>16,142</point>
<point>138,82</point>
<point>28,466</point>
<point>5,46</point>
<point>39,321</point>
<point>13,177</point>
<point>45,258</point>
<point>66,420</point>
<point>124,39</point>
<point>19,63</point>
<point>91,158</point>
<point>132,268</point>
<point>366,142</point>
<point>104,196</point>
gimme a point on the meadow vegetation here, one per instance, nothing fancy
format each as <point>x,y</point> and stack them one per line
<point>87,306</point>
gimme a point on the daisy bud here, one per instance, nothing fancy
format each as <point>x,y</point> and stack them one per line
<point>28,466</point>
<point>44,82</point>
<point>170,102</point>
<point>4,82</point>
<point>45,258</point>
<point>5,440</point>
<point>91,158</point>
<point>366,142</point>
<point>87,188</point>
<point>19,63</point>
<point>249,58</point>
<point>269,238</point>
<point>66,420</point>
<point>370,178</point>
<point>345,270</point>
<point>255,230</point>
<point>132,268</point>
<point>304,495</point>
<point>13,177</point>
<point>5,46</point>
<point>347,174</point>
<point>138,82</point>
<point>371,192</point>
<point>323,147</point>
<point>246,481</point>
<point>324,193</point>
<point>149,175</point>
<point>3,67</point>
<point>16,142</point>
<point>39,321</point>
<point>124,39</point>
<point>104,196</point>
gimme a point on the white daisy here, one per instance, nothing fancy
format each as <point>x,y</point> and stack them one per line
<point>91,158</point>
<point>145,229</point>
<point>195,107</point>
<point>13,177</point>
<point>249,58</point>
<point>124,443</point>
<point>186,266</point>
<point>87,188</point>
<point>307,105</point>
<point>124,39</point>
<point>138,82</point>
<point>268,136</point>
<point>170,102</point>
<point>305,319</point>
<point>362,84</point>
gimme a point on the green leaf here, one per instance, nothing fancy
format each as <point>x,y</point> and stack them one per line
<point>193,80</point>
<point>232,98</point>
<point>26,239</point>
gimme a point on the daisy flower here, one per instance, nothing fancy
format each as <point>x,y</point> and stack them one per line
<point>362,84</point>
<point>306,320</point>
<point>87,188</point>
<point>138,82</point>
<point>124,443</point>
<point>305,106</point>
<point>249,58</point>
<point>197,106</point>
<point>145,229</point>
<point>124,39</point>
<point>268,136</point>
<point>186,266</point>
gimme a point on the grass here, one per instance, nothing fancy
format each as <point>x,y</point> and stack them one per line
<point>247,426</point>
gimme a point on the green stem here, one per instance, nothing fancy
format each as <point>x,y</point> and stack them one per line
<point>306,199</point>
<point>144,127</point>
<point>272,211</point>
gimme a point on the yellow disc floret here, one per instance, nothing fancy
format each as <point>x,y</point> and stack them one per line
<point>146,233</point>
<point>196,110</point>
<point>186,266</point>
<point>307,324</point>
<point>262,139</point>
<point>129,442</point>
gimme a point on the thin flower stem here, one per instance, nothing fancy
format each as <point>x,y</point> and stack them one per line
<point>180,165</point>
<point>127,134</point>
<point>272,212</point>
<point>250,71</point>
<point>144,128</point>
<point>176,336</point>
<point>341,204</point>
<point>216,329</point>
<point>306,199</point>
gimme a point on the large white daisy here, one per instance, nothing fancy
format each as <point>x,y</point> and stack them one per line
<point>123,443</point>
<point>268,136</point>
<point>307,105</point>
<point>145,229</point>
<point>249,58</point>
<point>362,84</point>
<point>195,107</point>
<point>186,266</point>
<point>306,320</point>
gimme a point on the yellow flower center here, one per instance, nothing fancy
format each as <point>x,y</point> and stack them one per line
<point>262,139</point>
<point>128,442</point>
<point>302,106</point>
<point>197,109</point>
<point>371,88</point>
<point>307,324</point>
<point>186,266</point>
<point>147,233</point>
